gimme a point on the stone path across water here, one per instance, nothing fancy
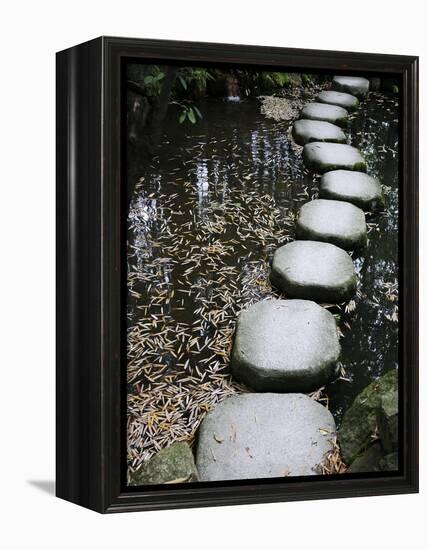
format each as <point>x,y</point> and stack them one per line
<point>293,345</point>
<point>265,435</point>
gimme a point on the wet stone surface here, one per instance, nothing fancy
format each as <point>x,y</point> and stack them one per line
<point>347,101</point>
<point>355,187</point>
<point>354,85</point>
<point>323,157</point>
<point>305,131</point>
<point>264,435</point>
<point>285,346</point>
<point>335,222</point>
<point>315,271</point>
<point>327,113</point>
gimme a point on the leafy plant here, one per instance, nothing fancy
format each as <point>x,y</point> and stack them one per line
<point>307,79</point>
<point>197,77</point>
<point>188,111</point>
<point>153,82</point>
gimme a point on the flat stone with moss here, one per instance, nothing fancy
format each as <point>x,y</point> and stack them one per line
<point>335,222</point>
<point>255,435</point>
<point>347,101</point>
<point>175,464</point>
<point>323,157</point>
<point>315,271</point>
<point>327,113</point>
<point>305,131</point>
<point>354,187</point>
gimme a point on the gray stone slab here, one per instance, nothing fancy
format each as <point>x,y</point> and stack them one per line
<point>355,187</point>
<point>335,222</point>
<point>354,85</point>
<point>285,346</point>
<point>314,271</point>
<point>327,113</point>
<point>347,101</point>
<point>305,131</point>
<point>266,435</point>
<point>323,157</point>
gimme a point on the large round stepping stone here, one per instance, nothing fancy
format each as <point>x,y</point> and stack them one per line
<point>315,271</point>
<point>285,346</point>
<point>355,187</point>
<point>354,85</point>
<point>266,435</point>
<point>305,131</point>
<point>335,222</point>
<point>324,112</point>
<point>323,157</point>
<point>347,101</point>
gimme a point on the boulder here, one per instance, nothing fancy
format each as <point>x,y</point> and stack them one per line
<point>315,271</point>
<point>360,428</point>
<point>347,101</point>
<point>389,463</point>
<point>354,85</point>
<point>387,421</point>
<point>325,112</point>
<point>267,435</point>
<point>285,346</point>
<point>355,187</point>
<point>368,461</point>
<point>335,222</point>
<point>323,157</point>
<point>174,464</point>
<point>305,131</point>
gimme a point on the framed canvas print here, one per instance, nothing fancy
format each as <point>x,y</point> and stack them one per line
<point>236,274</point>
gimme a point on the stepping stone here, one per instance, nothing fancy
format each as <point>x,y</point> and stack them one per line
<point>322,157</point>
<point>315,271</point>
<point>285,346</point>
<point>257,435</point>
<point>305,131</point>
<point>354,85</point>
<point>347,101</point>
<point>355,187</point>
<point>334,222</point>
<point>326,113</point>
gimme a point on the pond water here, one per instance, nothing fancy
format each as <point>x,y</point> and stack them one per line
<point>205,219</point>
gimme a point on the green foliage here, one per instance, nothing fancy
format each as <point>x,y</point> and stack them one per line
<point>194,77</point>
<point>153,82</point>
<point>276,79</point>
<point>307,79</point>
<point>188,112</point>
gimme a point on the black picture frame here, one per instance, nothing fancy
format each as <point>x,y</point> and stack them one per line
<point>90,279</point>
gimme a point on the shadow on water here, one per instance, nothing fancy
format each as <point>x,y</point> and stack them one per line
<point>212,207</point>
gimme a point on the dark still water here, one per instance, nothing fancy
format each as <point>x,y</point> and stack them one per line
<point>205,219</point>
